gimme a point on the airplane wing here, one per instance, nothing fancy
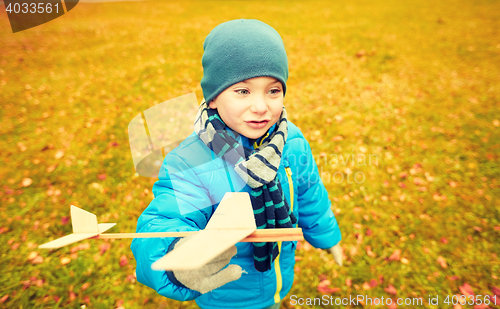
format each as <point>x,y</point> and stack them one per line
<point>231,222</point>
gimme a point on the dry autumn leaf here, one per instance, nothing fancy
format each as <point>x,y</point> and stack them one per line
<point>26,182</point>
<point>59,154</point>
<point>123,260</point>
<point>32,255</point>
<point>391,289</point>
<point>369,252</point>
<point>324,289</point>
<point>65,260</point>
<point>51,168</point>
<point>496,291</point>
<point>4,299</point>
<point>37,260</point>
<point>396,255</point>
<point>441,261</point>
<point>348,282</point>
<point>104,247</point>
<point>419,181</point>
<point>466,290</point>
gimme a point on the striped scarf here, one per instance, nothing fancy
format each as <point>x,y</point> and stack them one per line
<point>259,168</point>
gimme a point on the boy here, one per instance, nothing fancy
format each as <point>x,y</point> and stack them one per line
<point>242,142</point>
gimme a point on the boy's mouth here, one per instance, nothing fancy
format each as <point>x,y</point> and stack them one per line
<point>257,124</point>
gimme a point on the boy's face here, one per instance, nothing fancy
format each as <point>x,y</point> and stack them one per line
<point>252,106</point>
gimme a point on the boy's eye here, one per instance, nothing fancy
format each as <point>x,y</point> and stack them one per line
<point>275,91</point>
<point>242,91</point>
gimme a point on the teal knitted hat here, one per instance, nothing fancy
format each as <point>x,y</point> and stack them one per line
<point>238,50</point>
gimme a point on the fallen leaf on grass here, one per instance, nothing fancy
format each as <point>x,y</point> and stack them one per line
<point>373,283</point>
<point>85,286</point>
<point>457,306</point>
<point>26,182</point>
<point>32,255</point>
<point>102,176</point>
<point>419,181</point>
<point>441,261</point>
<point>348,282</point>
<point>104,247</point>
<point>366,286</point>
<point>65,260</point>
<point>405,261</point>
<point>369,252</point>
<point>494,299</point>
<point>396,255</point>
<point>79,247</point>
<point>323,287</point>
<point>123,260</point>
<point>391,289</point>
<point>51,168</point>
<point>4,299</point>
<point>59,154</point>
<point>37,260</point>
<point>466,290</point>
<point>496,291</point>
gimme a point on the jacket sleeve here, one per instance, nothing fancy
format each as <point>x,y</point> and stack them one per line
<point>180,203</point>
<point>316,218</point>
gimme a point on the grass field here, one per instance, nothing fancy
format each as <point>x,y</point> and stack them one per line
<point>399,100</point>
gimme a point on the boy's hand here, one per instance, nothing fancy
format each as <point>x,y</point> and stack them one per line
<point>210,276</point>
<point>336,251</point>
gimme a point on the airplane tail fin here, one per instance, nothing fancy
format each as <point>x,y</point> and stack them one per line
<point>83,221</point>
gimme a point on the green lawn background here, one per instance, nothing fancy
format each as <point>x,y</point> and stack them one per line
<point>412,85</point>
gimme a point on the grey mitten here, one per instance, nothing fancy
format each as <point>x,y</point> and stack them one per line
<point>210,276</point>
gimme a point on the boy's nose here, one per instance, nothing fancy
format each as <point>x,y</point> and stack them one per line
<point>259,105</point>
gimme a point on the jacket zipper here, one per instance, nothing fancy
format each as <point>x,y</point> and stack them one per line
<point>279,279</point>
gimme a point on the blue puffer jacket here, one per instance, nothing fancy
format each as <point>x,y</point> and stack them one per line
<point>192,182</point>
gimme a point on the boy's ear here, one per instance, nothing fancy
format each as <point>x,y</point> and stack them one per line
<point>212,104</point>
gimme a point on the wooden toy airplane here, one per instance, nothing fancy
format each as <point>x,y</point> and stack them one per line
<point>232,222</point>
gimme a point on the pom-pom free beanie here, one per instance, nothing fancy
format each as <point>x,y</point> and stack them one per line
<point>238,50</point>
